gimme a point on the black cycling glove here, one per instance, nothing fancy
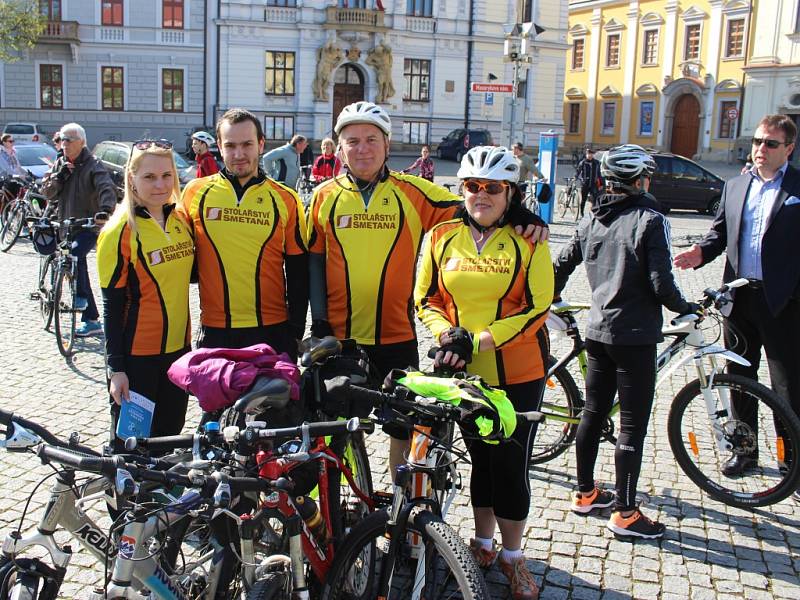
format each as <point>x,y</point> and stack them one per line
<point>460,343</point>
<point>692,308</point>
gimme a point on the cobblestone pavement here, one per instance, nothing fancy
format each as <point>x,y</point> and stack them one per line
<point>710,550</point>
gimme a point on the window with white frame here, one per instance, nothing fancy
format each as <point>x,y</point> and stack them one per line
<point>734,38</point>
<point>578,47</point>
<point>691,48</point>
<point>278,127</point>
<point>415,132</point>
<point>612,50</point>
<point>650,47</point>
<point>727,127</point>
<point>609,118</point>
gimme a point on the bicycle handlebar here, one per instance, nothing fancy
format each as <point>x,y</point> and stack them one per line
<point>208,484</point>
<point>9,419</point>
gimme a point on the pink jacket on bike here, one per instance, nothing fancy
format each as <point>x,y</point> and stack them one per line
<point>220,376</point>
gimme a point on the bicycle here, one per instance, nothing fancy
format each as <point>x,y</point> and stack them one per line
<point>408,551</point>
<point>702,426</point>
<point>304,186</point>
<point>29,203</point>
<point>56,288</point>
<point>136,565</point>
<point>568,199</point>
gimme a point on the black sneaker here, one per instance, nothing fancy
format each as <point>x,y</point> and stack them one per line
<point>636,526</point>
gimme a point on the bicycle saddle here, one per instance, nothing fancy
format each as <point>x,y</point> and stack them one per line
<point>266,393</point>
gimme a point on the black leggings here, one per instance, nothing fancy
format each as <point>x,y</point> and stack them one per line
<point>586,191</point>
<point>500,479</point>
<point>147,375</point>
<point>631,372</point>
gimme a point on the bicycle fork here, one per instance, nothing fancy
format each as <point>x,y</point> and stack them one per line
<point>718,405</point>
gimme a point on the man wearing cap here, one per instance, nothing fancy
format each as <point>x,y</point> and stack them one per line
<point>365,229</point>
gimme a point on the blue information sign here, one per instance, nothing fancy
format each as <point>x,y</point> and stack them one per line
<point>488,99</point>
<point>548,147</point>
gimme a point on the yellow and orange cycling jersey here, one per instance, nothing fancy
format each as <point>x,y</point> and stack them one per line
<point>506,288</point>
<point>371,251</point>
<point>153,267</point>
<point>241,247</point>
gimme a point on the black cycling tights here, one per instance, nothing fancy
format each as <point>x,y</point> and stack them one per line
<point>631,372</point>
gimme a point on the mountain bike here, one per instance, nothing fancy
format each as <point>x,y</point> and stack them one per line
<point>703,427</point>
<point>56,287</point>
<point>568,199</point>
<point>30,203</point>
<point>408,551</point>
<point>143,555</point>
<point>304,185</point>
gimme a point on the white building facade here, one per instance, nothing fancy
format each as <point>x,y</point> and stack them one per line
<point>296,63</point>
<point>124,69</point>
<point>772,74</point>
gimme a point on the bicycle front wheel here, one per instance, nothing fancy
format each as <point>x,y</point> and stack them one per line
<point>444,568</point>
<point>12,226</point>
<point>692,426</point>
<point>562,404</point>
<point>563,205</point>
<point>46,292</point>
<point>64,312</point>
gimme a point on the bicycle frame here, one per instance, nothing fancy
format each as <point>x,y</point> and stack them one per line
<point>688,334</point>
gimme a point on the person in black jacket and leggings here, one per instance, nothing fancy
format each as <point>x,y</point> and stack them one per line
<point>626,249</point>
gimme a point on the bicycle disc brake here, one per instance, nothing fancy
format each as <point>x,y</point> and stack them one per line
<point>741,436</point>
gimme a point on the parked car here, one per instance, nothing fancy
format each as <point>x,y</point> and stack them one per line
<point>681,183</point>
<point>114,156</point>
<point>36,157</point>
<point>456,143</point>
<point>25,132</point>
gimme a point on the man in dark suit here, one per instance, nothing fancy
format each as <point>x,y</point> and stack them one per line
<point>758,226</point>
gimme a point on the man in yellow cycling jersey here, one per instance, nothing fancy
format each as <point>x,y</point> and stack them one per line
<point>365,229</point>
<point>250,244</point>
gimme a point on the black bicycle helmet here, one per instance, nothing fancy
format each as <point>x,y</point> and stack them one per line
<point>44,238</point>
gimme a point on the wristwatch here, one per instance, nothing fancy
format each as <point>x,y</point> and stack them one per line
<point>111,372</point>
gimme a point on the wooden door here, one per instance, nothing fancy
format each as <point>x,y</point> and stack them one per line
<point>685,126</point>
<point>348,87</point>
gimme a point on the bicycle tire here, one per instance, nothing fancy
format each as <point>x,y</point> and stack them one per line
<point>444,549</point>
<point>271,587</point>
<point>12,227</point>
<point>562,396</point>
<point>764,484</point>
<point>562,203</point>
<point>46,291</point>
<point>64,313</point>
<point>346,508</point>
<point>18,584</point>
<point>572,202</point>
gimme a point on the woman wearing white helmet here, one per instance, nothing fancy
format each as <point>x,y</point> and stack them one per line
<point>201,143</point>
<point>484,292</point>
<point>630,273</point>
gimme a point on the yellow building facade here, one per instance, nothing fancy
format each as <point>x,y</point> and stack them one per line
<point>665,74</point>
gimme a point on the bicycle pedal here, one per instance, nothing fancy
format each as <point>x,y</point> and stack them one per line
<point>382,499</point>
<point>35,296</point>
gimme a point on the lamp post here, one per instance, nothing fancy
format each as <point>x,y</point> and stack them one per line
<point>516,50</point>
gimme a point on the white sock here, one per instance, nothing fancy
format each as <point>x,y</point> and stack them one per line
<point>508,556</point>
<point>485,543</point>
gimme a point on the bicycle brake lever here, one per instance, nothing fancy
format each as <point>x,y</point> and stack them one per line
<point>20,439</point>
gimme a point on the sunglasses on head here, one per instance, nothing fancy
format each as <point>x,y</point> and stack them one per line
<point>771,144</point>
<point>145,144</point>
<point>474,186</point>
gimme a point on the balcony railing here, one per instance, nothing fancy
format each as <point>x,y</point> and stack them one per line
<point>421,24</point>
<point>279,14</point>
<point>172,36</point>
<point>358,19</point>
<point>60,31</point>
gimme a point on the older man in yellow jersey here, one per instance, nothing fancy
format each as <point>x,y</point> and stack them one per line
<point>365,230</point>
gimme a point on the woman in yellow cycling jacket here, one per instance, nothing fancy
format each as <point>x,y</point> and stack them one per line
<point>144,259</point>
<point>484,292</point>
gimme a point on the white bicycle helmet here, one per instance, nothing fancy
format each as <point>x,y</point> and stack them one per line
<point>626,163</point>
<point>489,162</point>
<point>204,137</point>
<point>364,112</point>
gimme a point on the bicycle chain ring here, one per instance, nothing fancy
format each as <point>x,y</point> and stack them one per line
<point>743,440</point>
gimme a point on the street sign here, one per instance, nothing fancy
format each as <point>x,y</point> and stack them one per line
<point>733,113</point>
<point>505,88</point>
<point>488,99</point>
